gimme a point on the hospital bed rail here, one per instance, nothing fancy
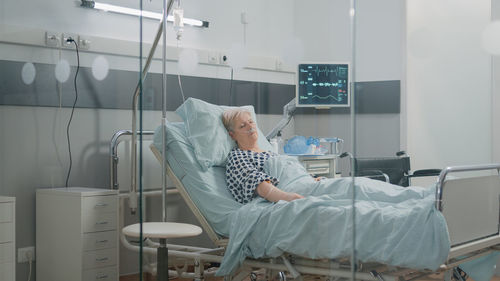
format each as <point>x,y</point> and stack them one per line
<point>114,159</point>
<point>469,168</point>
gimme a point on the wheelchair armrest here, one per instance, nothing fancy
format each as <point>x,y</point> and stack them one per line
<point>425,173</point>
<point>374,174</point>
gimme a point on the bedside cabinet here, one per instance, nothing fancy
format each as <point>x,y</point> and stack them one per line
<point>319,165</point>
<point>76,234</point>
<point>7,238</point>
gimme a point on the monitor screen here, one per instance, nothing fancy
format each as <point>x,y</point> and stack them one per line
<point>323,85</point>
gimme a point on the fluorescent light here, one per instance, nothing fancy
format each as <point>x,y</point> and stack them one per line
<point>136,12</point>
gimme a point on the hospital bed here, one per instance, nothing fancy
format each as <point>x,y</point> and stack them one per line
<point>470,206</point>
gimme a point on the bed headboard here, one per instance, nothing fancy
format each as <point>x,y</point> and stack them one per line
<point>217,239</point>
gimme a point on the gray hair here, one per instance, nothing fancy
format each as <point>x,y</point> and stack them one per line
<point>230,115</point>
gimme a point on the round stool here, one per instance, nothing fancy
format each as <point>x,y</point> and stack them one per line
<point>162,230</point>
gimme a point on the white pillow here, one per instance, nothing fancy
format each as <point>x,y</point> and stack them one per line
<point>207,134</point>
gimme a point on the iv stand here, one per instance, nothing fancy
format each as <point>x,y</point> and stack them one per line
<point>133,191</point>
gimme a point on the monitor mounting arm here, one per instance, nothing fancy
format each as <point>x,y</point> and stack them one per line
<point>288,111</point>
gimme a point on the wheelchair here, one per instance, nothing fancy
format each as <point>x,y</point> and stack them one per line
<point>395,170</point>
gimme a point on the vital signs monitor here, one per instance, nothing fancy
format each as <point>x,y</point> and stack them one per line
<point>323,85</point>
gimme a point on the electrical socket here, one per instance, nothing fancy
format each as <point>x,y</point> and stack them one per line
<point>52,39</point>
<point>224,59</point>
<point>83,43</point>
<point>25,254</point>
<point>65,37</point>
<point>213,58</point>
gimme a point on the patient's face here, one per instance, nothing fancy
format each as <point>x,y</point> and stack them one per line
<point>244,131</point>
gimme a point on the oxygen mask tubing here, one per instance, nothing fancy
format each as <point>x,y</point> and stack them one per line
<point>251,131</point>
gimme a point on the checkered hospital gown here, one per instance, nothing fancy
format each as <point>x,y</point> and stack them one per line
<point>245,171</point>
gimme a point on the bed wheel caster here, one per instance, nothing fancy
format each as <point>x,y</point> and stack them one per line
<point>459,274</point>
<point>375,274</point>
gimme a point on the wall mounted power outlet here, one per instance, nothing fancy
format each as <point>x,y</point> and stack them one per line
<point>65,37</point>
<point>83,43</point>
<point>213,58</point>
<point>224,59</point>
<point>52,39</point>
<point>25,254</point>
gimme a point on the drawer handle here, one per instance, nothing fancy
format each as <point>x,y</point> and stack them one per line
<point>102,276</point>
<point>102,241</point>
<point>312,166</point>
<point>100,205</point>
<point>317,169</point>
<point>101,223</point>
<point>101,259</point>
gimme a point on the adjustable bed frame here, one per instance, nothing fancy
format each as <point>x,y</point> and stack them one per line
<point>471,238</point>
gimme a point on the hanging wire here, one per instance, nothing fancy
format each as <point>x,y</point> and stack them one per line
<point>72,112</point>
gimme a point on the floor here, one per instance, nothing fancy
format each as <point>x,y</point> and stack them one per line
<point>435,277</point>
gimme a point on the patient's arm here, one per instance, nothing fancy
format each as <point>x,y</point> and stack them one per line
<point>271,193</point>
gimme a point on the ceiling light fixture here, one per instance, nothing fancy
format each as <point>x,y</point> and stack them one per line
<point>135,12</point>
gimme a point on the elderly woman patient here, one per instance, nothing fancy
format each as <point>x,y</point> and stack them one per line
<point>392,222</point>
<point>245,174</point>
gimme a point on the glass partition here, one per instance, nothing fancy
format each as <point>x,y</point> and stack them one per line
<point>111,122</point>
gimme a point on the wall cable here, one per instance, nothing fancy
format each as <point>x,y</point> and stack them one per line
<point>31,267</point>
<point>72,109</point>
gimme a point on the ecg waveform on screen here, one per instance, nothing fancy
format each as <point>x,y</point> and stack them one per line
<point>318,70</point>
<point>327,97</point>
<point>323,84</point>
<point>327,84</point>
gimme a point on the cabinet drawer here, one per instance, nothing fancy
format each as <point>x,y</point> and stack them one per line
<point>7,271</point>
<point>99,258</point>
<point>317,167</point>
<point>100,204</point>
<point>6,232</point>
<point>6,212</point>
<point>317,164</point>
<point>93,222</point>
<point>101,274</point>
<point>99,240</point>
<point>7,252</point>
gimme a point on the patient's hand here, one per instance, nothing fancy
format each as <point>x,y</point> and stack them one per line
<point>273,194</point>
<point>293,196</point>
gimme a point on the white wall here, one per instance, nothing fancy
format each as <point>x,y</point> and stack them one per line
<point>495,101</point>
<point>380,27</point>
<point>379,56</point>
<point>448,83</point>
<point>495,13</point>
